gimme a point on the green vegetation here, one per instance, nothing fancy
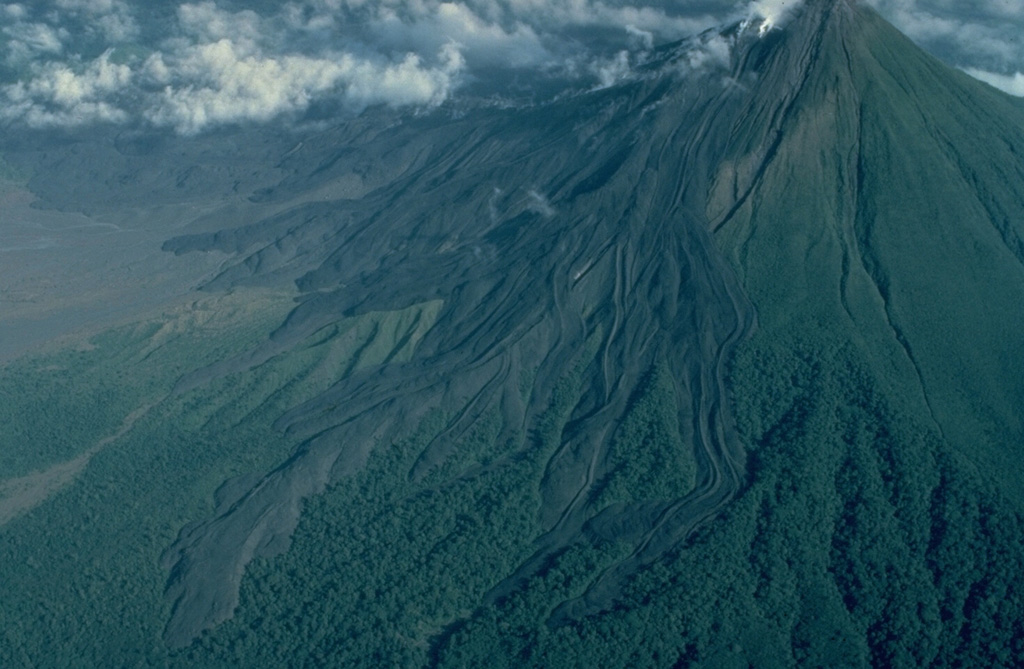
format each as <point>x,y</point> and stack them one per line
<point>390,564</point>
<point>86,560</point>
<point>398,565</point>
<point>884,514</point>
<point>648,458</point>
<point>852,499</point>
<point>859,543</point>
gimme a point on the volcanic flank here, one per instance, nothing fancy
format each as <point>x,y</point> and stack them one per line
<point>722,365</point>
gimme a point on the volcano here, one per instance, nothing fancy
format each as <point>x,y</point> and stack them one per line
<point>722,365</point>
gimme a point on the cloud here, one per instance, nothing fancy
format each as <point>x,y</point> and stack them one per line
<point>613,70</point>
<point>1010,83</point>
<point>711,51</point>
<point>27,41</point>
<point>1010,9</point>
<point>539,204</point>
<point>486,43</point>
<point>227,82</point>
<point>214,67</point>
<point>202,63</point>
<point>205,22</point>
<point>14,11</point>
<point>60,96</point>
<point>645,38</point>
<point>113,20</point>
<point>984,35</point>
<point>772,13</point>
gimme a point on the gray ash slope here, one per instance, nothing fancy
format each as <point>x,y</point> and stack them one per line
<point>579,223</point>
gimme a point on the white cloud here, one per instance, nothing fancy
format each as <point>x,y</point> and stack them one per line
<point>60,96</point>
<point>772,13</point>
<point>208,23</point>
<point>1011,9</point>
<point>652,19</point>
<point>612,71</point>
<point>112,19</point>
<point>484,43</point>
<point>713,51</point>
<point>214,63</point>
<point>14,11</point>
<point>645,38</point>
<point>512,33</point>
<point>26,41</point>
<point>90,6</point>
<point>984,34</point>
<point>217,65</point>
<point>1010,83</point>
<point>117,27</point>
<point>539,204</point>
<point>226,82</point>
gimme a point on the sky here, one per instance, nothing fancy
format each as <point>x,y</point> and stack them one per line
<point>194,66</point>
